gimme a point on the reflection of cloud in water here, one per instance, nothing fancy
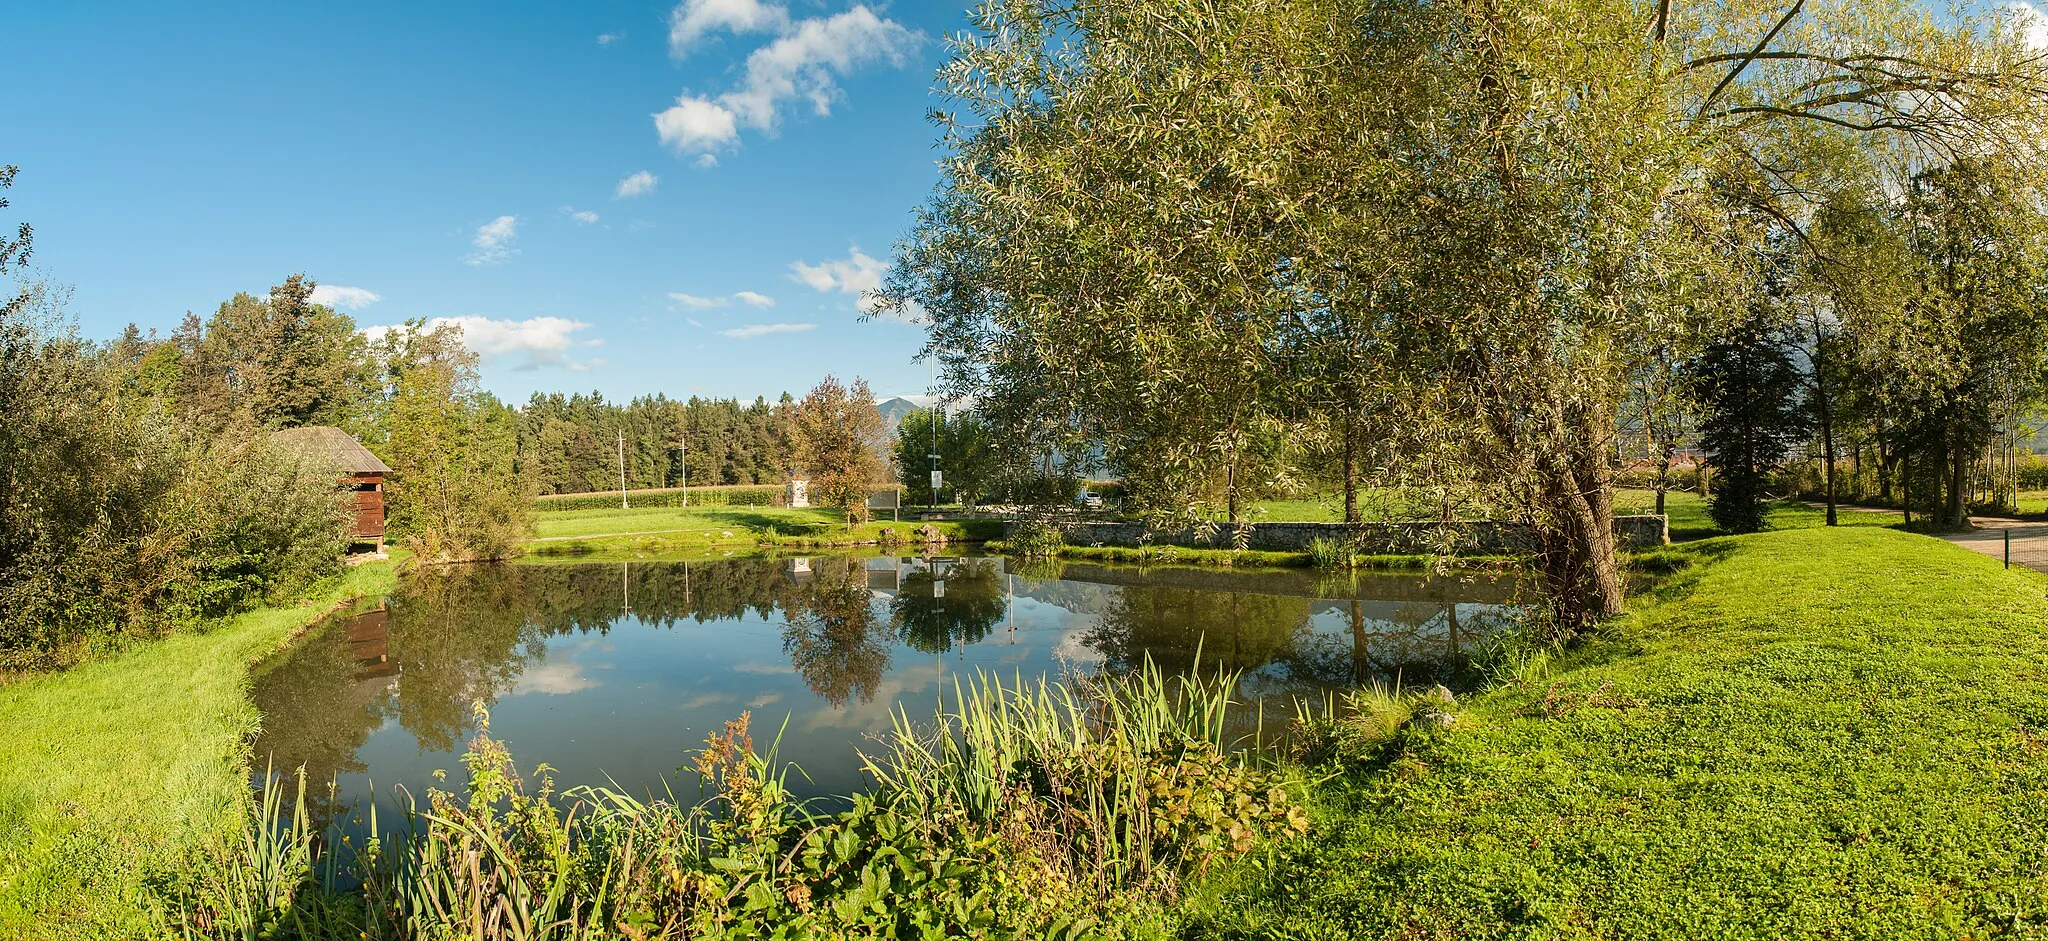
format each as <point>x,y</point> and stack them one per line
<point>1073,648</point>
<point>552,679</point>
<point>913,686</point>
<point>706,701</point>
<point>765,699</point>
<point>763,669</point>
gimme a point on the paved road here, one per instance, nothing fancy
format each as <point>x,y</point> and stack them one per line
<point>2029,540</point>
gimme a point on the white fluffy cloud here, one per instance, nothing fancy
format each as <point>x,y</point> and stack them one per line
<point>696,124</point>
<point>639,184</point>
<point>493,241</point>
<point>606,39</point>
<point>858,274</point>
<point>691,20</point>
<point>752,299</point>
<point>345,298</point>
<point>583,216</point>
<point>694,302</point>
<point>805,62</point>
<point>542,341</point>
<point>763,329</point>
<point>2032,23</point>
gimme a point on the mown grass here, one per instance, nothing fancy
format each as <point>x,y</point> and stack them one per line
<point>1810,733</point>
<point>1690,521</point>
<point>113,770</point>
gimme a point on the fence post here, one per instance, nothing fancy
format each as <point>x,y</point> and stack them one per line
<point>2008,546</point>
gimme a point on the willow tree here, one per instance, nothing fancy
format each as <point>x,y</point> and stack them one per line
<point>1169,225</point>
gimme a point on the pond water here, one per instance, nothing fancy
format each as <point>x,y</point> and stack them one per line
<point>617,672</point>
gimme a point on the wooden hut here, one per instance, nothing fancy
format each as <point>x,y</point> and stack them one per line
<point>361,472</point>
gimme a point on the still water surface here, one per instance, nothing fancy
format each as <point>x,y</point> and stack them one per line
<point>616,672</point>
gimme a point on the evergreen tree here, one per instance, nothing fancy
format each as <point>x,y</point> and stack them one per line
<point>1752,394</point>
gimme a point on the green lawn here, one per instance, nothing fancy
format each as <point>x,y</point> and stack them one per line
<point>745,523</point>
<point>112,771</point>
<point>1689,519</point>
<point>1809,733</point>
<point>2033,502</point>
<point>712,531</point>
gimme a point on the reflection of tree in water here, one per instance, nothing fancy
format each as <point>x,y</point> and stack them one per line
<point>831,632</point>
<point>1232,631</point>
<point>1413,643</point>
<point>970,609</point>
<point>317,708</point>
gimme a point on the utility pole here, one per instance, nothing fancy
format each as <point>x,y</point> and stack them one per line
<point>623,505</point>
<point>686,460</point>
<point>933,390</point>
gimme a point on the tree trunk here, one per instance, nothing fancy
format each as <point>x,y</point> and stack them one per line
<point>1350,470</point>
<point>1577,547</point>
<point>1906,485</point>
<point>1230,491</point>
<point>1958,477</point>
<point>1827,424</point>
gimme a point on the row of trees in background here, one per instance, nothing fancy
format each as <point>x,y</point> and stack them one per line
<point>569,444</point>
<point>1434,247</point>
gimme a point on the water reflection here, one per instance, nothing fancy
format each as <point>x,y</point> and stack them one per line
<point>618,671</point>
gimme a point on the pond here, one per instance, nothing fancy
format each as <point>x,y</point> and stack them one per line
<point>617,672</point>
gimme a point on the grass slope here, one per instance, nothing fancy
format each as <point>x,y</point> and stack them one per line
<point>111,770</point>
<point>1803,734</point>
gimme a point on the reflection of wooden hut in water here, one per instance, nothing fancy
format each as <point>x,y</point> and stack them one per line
<point>369,644</point>
<point>361,472</point>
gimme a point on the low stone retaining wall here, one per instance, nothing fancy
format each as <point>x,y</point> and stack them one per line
<point>1465,536</point>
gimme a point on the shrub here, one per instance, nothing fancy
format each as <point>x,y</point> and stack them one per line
<point>1036,539</point>
<point>1326,553</point>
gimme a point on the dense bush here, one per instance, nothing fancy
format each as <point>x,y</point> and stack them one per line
<point>1036,539</point>
<point>116,519</point>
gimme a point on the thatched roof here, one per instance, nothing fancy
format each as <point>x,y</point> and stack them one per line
<point>333,445</point>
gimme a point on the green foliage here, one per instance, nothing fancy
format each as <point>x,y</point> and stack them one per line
<point>835,436</point>
<point>1326,553</point>
<point>1755,416</point>
<point>114,521</point>
<point>1035,539</point>
<point>569,444</point>
<point>281,361</point>
<point>454,496</point>
<point>967,453</point>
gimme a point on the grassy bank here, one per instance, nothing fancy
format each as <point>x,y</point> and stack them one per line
<point>113,769</point>
<point>1805,733</point>
<point>711,531</point>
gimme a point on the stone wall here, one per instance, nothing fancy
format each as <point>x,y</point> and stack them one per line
<point>1467,536</point>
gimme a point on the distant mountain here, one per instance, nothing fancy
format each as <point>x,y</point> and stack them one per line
<point>894,411</point>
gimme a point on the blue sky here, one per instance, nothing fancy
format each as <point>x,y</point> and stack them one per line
<point>620,196</point>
